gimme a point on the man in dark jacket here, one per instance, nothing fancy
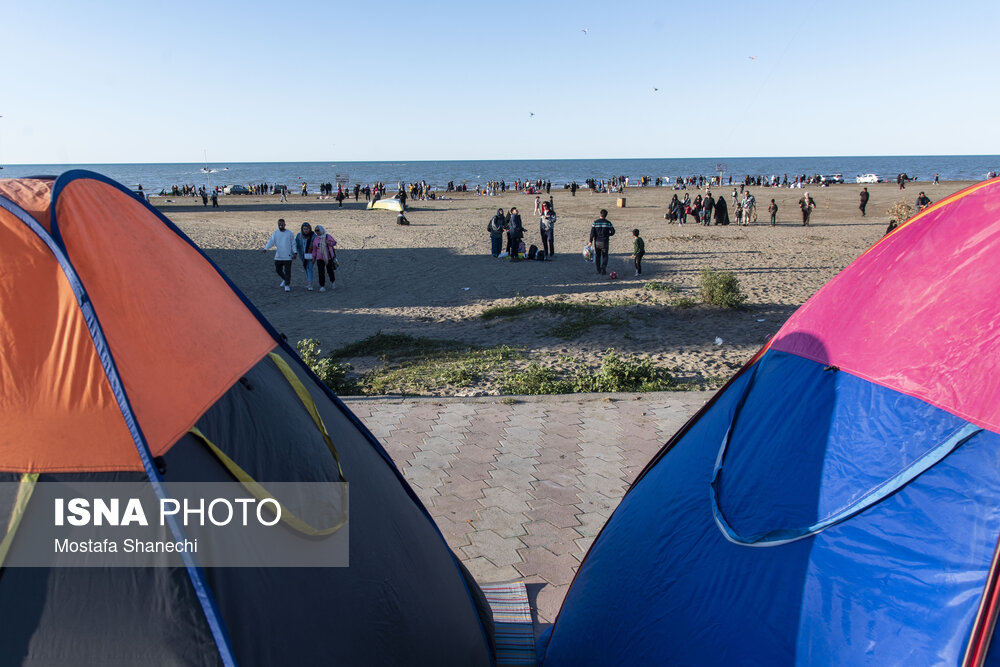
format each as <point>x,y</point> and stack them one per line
<point>600,237</point>
<point>864,201</point>
<point>708,207</point>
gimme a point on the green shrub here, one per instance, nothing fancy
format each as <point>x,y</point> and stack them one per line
<point>534,380</point>
<point>684,302</point>
<point>394,345</point>
<point>669,288</point>
<point>331,373</point>
<point>721,288</point>
<point>619,373</point>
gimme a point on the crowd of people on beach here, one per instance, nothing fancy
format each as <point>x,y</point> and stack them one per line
<point>509,227</point>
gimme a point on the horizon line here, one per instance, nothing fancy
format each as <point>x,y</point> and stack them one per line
<point>554,159</point>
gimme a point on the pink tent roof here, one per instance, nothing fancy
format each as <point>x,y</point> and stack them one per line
<point>918,312</point>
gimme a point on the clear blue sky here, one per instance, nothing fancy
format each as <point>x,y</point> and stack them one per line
<point>250,81</point>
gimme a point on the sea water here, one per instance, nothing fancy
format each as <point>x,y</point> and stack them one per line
<point>157,177</point>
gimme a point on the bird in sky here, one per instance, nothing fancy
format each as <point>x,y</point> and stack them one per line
<point>532,114</point>
<point>584,30</point>
<point>655,89</point>
<point>752,57</point>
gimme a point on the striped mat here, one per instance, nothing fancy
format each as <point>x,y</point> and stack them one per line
<point>512,623</point>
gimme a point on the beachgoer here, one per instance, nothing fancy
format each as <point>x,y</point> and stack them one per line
<point>547,227</point>
<point>638,251</point>
<point>538,206</point>
<point>673,210</point>
<point>601,232</point>
<point>515,230</point>
<point>864,201</point>
<point>708,207</point>
<point>303,246</point>
<point>923,201</point>
<point>721,211</point>
<point>806,204</point>
<point>325,254</point>
<point>773,210</point>
<point>283,241</point>
<point>495,228</point>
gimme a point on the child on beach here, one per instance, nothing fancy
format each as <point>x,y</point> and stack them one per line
<point>638,250</point>
<point>773,210</point>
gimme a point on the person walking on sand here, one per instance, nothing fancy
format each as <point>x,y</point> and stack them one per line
<point>638,252</point>
<point>708,207</point>
<point>721,211</point>
<point>807,204</point>
<point>495,227</point>
<point>303,246</point>
<point>538,206</point>
<point>773,210</point>
<point>284,193</point>
<point>547,228</point>
<point>864,201</point>
<point>325,254</point>
<point>283,241</point>
<point>600,237</point>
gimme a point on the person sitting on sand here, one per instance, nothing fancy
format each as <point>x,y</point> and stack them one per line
<point>923,201</point>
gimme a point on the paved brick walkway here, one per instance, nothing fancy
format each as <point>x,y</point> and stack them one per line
<point>521,490</point>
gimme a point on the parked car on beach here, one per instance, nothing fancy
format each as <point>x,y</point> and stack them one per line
<point>868,178</point>
<point>237,190</point>
<point>831,179</point>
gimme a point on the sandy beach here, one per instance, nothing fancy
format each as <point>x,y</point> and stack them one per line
<point>435,277</point>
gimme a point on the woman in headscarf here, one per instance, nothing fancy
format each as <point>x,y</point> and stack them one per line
<point>496,227</point>
<point>325,254</point>
<point>674,210</point>
<point>721,211</point>
<point>515,230</point>
<point>547,229</point>
<point>303,247</point>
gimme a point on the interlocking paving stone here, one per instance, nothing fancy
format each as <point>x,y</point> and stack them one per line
<point>554,569</point>
<point>557,540</point>
<point>500,521</point>
<point>484,571</point>
<point>521,491</point>
<point>499,550</point>
<point>505,498</point>
<point>562,494</point>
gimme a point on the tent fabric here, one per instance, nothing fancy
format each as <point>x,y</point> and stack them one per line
<point>405,599</point>
<point>838,501</point>
<point>892,318</point>
<point>51,375</point>
<point>663,584</point>
<point>178,334</point>
<point>31,194</point>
